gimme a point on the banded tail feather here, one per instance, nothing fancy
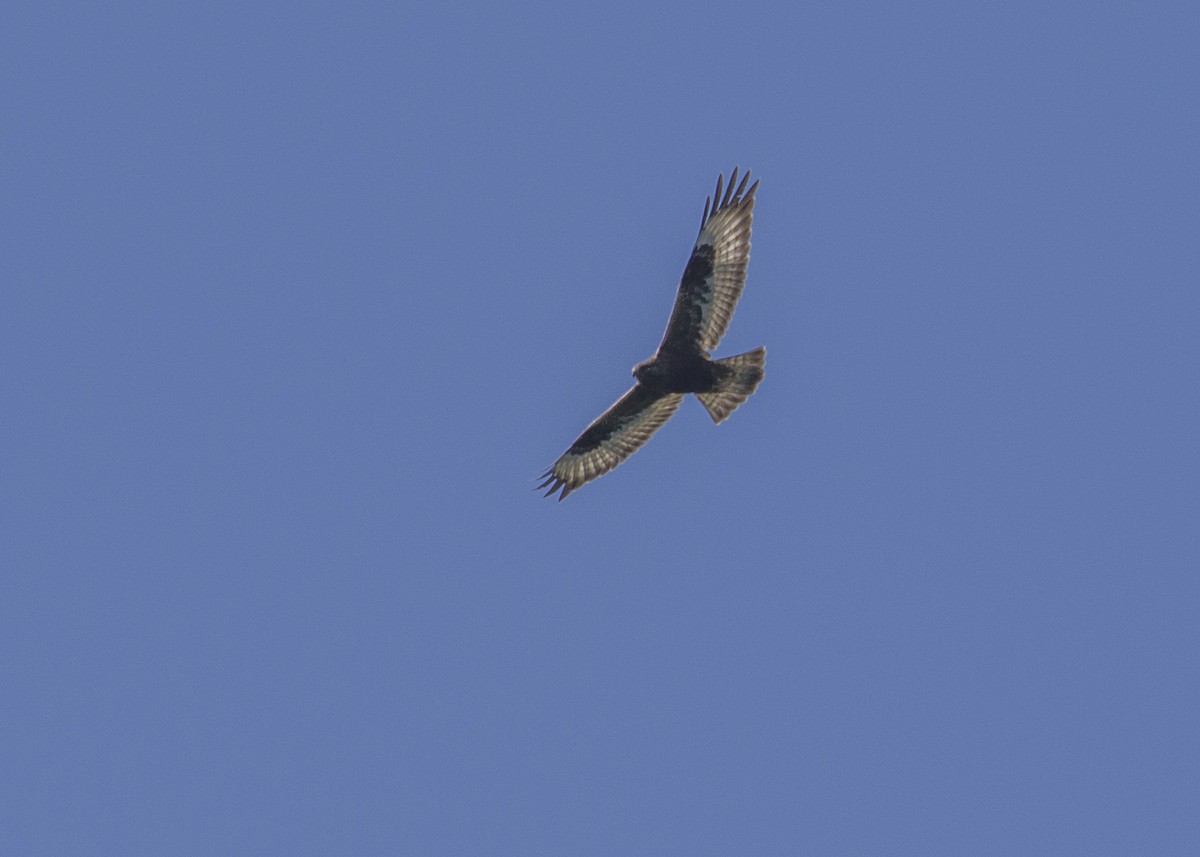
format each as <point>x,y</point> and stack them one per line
<point>743,373</point>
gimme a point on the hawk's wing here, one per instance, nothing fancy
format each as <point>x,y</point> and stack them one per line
<point>716,272</point>
<point>614,436</point>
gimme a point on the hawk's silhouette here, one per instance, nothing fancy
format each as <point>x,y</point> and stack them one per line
<point>711,285</point>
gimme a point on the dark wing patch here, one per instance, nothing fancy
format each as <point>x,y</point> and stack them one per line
<point>716,272</point>
<point>614,436</point>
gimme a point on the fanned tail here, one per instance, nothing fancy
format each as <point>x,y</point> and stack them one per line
<point>742,375</point>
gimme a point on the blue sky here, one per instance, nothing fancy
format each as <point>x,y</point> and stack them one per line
<point>299,299</point>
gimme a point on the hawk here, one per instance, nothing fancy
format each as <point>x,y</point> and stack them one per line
<point>711,285</point>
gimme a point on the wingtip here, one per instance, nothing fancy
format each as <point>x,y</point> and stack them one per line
<point>555,483</point>
<point>734,193</point>
<point>742,186</point>
<point>729,190</point>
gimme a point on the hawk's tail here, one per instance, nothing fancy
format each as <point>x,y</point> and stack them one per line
<point>740,376</point>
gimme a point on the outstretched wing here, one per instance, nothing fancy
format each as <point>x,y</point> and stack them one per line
<point>716,272</point>
<point>614,436</point>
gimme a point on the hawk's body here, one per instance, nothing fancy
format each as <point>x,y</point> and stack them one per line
<point>708,292</point>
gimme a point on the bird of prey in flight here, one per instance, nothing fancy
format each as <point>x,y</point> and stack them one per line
<point>711,285</point>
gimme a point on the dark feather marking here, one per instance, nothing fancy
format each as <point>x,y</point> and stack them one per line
<point>632,404</point>
<point>684,327</point>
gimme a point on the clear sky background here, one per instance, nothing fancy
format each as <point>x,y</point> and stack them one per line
<point>296,301</point>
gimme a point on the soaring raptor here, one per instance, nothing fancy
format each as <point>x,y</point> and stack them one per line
<point>712,283</point>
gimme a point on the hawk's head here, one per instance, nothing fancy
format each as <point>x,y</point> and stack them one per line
<point>648,371</point>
